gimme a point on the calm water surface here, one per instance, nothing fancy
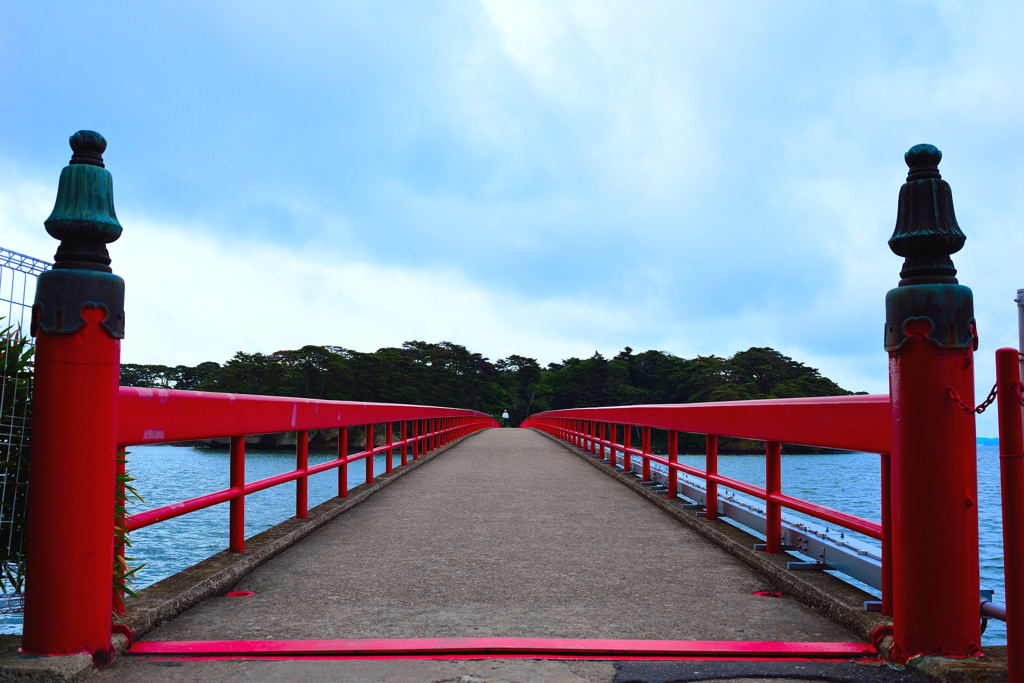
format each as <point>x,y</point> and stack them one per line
<point>166,474</point>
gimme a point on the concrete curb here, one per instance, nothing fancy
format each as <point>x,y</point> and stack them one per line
<point>170,597</point>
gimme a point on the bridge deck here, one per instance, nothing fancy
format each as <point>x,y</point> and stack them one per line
<point>504,535</point>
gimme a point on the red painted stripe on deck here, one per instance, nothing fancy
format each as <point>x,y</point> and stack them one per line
<point>442,657</point>
<point>501,646</point>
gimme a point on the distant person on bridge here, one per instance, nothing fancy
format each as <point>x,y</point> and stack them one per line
<point>504,418</point>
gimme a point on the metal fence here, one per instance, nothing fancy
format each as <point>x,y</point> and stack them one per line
<point>18,274</point>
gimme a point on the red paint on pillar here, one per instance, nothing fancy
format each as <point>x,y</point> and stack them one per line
<point>1011,470</point>
<point>236,514</point>
<point>416,439</point>
<point>302,483</point>
<point>612,434</point>
<point>70,539</point>
<point>886,488</point>
<point>934,502</point>
<point>645,446</point>
<point>404,436</point>
<point>627,443</point>
<point>343,467</point>
<point>673,458</point>
<point>773,484</point>
<point>711,467</point>
<point>369,454</point>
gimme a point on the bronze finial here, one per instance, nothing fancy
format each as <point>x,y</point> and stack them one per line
<point>926,229</point>
<point>83,217</point>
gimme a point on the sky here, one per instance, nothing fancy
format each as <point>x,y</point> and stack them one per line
<point>547,178</point>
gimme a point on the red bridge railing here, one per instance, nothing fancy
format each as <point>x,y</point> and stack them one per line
<point>856,423</point>
<point>149,416</point>
<point>161,416</point>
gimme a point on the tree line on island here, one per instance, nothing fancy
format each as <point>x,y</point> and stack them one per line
<point>448,374</point>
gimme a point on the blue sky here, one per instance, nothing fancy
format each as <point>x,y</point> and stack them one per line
<point>542,178</point>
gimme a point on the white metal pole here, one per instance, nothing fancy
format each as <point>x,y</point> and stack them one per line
<point>1020,330</point>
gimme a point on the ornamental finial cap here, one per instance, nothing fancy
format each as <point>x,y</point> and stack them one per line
<point>88,147</point>
<point>83,217</point>
<point>926,230</point>
<point>922,157</point>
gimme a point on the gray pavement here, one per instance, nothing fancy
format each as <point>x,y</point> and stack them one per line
<point>506,534</point>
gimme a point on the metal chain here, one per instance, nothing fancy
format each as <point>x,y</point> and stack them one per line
<point>951,392</point>
<point>1018,389</point>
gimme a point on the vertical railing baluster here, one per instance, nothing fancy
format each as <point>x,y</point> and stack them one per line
<point>302,483</point>
<point>627,444</point>
<point>673,458</point>
<point>404,436</point>
<point>236,512</point>
<point>389,439</point>
<point>645,448</point>
<point>611,443</point>
<point>710,468</point>
<point>772,485</point>
<point>415,440</point>
<point>343,467</point>
<point>369,452</point>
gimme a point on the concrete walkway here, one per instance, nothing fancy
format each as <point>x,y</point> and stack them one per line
<point>506,534</point>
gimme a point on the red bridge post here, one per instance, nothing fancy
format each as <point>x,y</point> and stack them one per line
<point>78,321</point>
<point>1011,471</point>
<point>930,336</point>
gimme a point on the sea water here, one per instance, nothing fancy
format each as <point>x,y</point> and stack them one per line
<point>848,482</point>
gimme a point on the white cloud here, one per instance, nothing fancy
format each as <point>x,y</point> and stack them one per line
<point>193,296</point>
<point>702,177</point>
<point>594,73</point>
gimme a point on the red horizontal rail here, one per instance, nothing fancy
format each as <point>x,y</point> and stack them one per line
<point>163,415</point>
<point>736,484</point>
<point>499,646</point>
<point>826,514</point>
<point>166,512</point>
<point>162,514</point>
<point>856,423</point>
